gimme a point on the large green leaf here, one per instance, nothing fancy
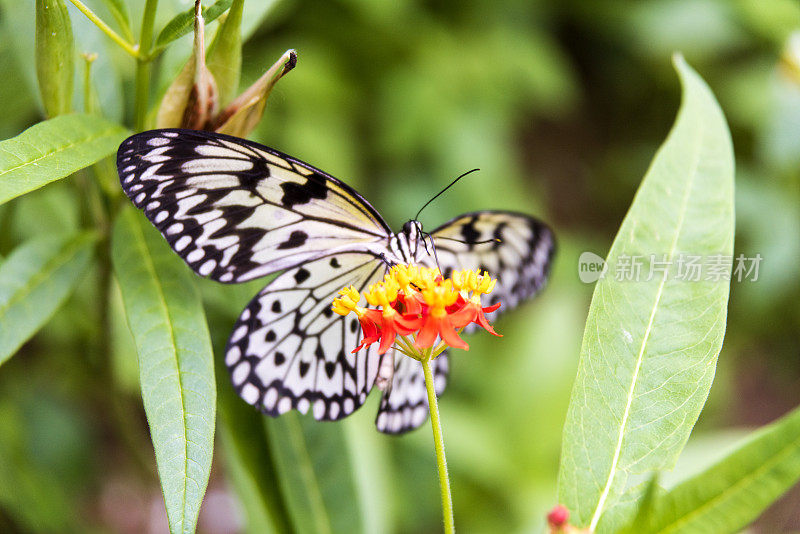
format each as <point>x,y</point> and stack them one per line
<point>35,281</point>
<point>54,149</point>
<point>732,493</point>
<point>316,473</point>
<point>176,367</point>
<point>182,23</point>
<point>650,346</point>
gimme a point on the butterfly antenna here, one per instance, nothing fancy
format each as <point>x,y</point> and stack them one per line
<point>423,235</point>
<point>437,195</point>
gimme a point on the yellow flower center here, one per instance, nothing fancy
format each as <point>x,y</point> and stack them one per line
<point>440,295</point>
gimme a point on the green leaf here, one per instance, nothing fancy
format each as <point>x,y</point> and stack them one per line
<point>182,24</point>
<point>729,495</point>
<point>55,56</point>
<point>224,57</point>
<point>176,367</point>
<point>316,474</point>
<point>650,346</point>
<point>644,508</point>
<point>54,149</point>
<point>35,280</point>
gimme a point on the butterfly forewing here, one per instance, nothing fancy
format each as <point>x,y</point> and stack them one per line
<point>235,210</point>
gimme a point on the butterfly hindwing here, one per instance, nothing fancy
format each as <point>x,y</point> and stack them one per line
<point>404,407</point>
<point>288,349</point>
<point>236,210</point>
<point>515,248</point>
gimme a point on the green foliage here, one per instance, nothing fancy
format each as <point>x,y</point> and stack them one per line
<point>561,104</point>
<point>248,459</point>
<point>28,492</point>
<point>650,347</point>
<point>175,360</point>
<point>35,280</point>
<point>54,149</point>
<point>119,10</point>
<point>732,493</point>
<point>55,56</point>
<point>182,24</point>
<point>316,474</point>
<point>224,57</point>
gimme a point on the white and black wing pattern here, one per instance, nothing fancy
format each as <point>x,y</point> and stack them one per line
<point>515,248</point>
<point>235,210</point>
<point>289,350</point>
<point>404,407</point>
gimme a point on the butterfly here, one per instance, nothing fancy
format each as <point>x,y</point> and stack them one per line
<point>235,210</point>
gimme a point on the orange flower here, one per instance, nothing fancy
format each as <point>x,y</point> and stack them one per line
<point>415,306</point>
<point>438,322</point>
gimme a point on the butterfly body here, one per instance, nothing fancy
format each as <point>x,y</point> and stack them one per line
<point>235,211</point>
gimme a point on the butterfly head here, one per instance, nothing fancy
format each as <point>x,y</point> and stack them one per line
<point>420,243</point>
<point>413,228</point>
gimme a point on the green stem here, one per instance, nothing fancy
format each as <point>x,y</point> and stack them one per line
<point>438,441</point>
<point>144,63</point>
<point>105,28</point>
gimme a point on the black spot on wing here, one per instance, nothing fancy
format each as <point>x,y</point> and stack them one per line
<point>301,275</point>
<point>276,306</point>
<point>296,239</point>
<point>250,179</point>
<point>469,233</point>
<point>497,235</point>
<point>335,263</point>
<point>330,369</point>
<point>294,193</point>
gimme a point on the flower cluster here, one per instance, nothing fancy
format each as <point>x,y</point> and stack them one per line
<point>413,306</point>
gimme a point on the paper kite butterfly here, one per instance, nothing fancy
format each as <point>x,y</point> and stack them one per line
<point>235,210</point>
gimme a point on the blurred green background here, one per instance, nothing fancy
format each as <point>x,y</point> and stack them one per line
<point>562,104</point>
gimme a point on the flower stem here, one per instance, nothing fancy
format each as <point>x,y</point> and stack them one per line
<point>441,461</point>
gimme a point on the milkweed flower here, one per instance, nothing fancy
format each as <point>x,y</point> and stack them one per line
<point>418,311</point>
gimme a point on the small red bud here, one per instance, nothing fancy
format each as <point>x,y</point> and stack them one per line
<point>558,516</point>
